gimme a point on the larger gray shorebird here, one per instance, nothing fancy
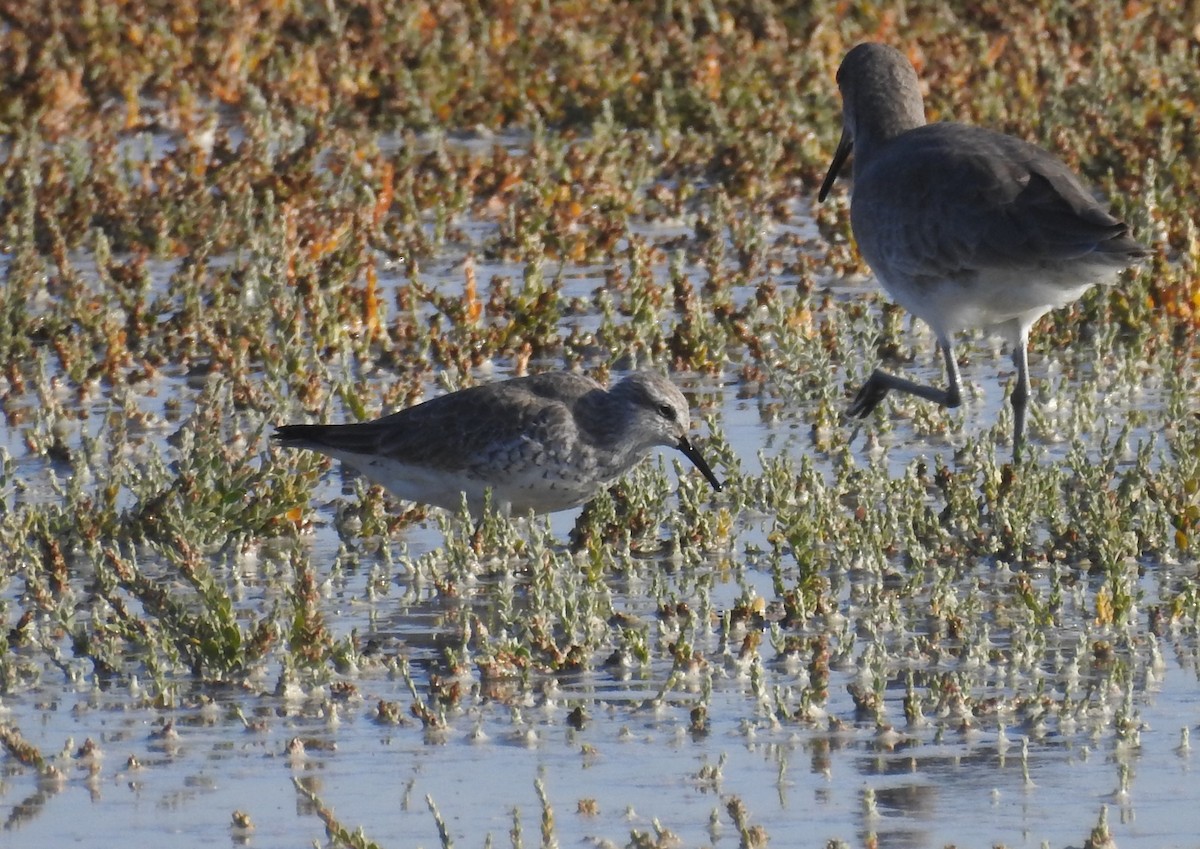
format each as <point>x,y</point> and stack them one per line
<point>963,226</point>
<point>543,443</point>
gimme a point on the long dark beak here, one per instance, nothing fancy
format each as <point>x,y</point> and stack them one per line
<point>839,158</point>
<point>692,454</point>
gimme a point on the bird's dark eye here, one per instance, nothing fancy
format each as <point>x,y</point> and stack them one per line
<point>666,411</point>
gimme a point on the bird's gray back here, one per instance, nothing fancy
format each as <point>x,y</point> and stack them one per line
<point>476,429</point>
<point>947,200</point>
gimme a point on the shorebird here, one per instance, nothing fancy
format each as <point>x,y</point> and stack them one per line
<point>543,443</point>
<point>964,227</point>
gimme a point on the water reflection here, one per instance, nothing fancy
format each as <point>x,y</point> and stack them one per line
<point>996,757</point>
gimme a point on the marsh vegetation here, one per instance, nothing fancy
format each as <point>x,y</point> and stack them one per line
<point>217,218</point>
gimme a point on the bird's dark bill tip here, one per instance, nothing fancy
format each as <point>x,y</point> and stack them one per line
<point>698,461</point>
<point>839,159</point>
<point>291,434</point>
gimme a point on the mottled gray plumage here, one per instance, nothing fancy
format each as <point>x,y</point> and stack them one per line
<point>963,226</point>
<point>544,443</point>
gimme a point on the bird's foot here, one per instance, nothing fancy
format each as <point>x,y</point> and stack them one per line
<point>872,392</point>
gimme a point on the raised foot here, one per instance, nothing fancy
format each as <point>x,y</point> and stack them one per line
<point>880,383</point>
<point>872,392</point>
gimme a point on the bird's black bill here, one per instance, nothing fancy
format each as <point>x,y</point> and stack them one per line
<point>839,159</point>
<point>292,435</point>
<point>698,461</point>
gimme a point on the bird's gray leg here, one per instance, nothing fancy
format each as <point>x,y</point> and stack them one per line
<point>1020,397</point>
<point>953,391</point>
<point>880,383</point>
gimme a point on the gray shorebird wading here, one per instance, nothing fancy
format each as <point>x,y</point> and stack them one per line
<point>543,443</point>
<point>963,226</point>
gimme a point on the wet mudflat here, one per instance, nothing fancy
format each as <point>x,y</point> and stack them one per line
<point>880,633</point>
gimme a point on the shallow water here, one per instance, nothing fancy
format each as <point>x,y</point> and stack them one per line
<point>1020,780</point>
<point>635,757</point>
